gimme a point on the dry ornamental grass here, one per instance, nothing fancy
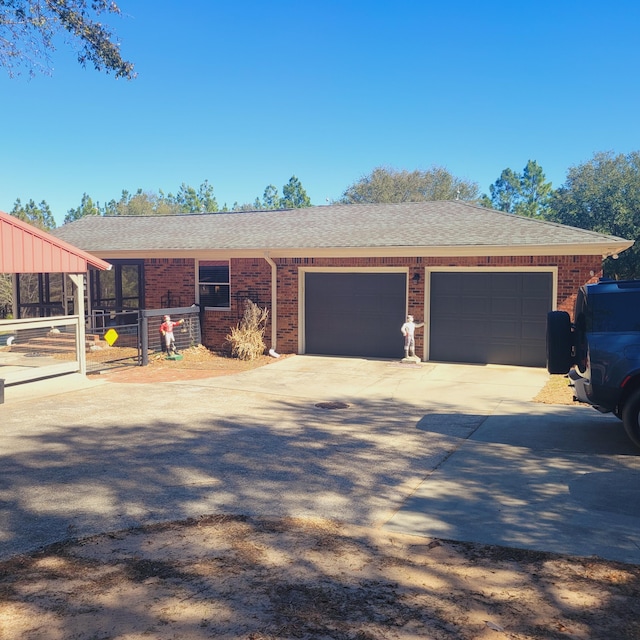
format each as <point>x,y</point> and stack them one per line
<point>247,337</point>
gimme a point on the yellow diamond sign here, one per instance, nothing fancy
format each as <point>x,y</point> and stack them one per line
<point>111,336</point>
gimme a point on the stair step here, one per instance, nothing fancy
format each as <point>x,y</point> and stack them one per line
<point>57,343</point>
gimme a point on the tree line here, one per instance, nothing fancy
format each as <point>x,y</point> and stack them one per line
<point>601,194</point>
<point>188,199</point>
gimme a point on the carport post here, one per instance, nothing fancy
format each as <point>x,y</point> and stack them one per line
<point>77,280</point>
<point>1,390</point>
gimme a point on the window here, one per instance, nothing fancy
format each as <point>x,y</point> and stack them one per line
<point>40,295</point>
<point>613,313</point>
<point>119,288</point>
<point>213,284</point>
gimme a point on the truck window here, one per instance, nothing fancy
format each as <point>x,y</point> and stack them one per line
<point>613,313</point>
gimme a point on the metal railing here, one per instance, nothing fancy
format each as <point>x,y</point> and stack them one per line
<point>187,335</point>
<point>37,348</point>
<point>112,339</point>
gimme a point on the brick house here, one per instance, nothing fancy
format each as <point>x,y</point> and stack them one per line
<point>340,279</point>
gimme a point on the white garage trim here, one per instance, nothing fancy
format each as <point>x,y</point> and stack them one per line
<point>301,290</point>
<point>553,270</point>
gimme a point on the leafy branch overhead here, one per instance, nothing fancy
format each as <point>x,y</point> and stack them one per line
<point>28,29</point>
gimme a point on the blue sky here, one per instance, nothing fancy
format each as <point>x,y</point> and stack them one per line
<point>248,93</point>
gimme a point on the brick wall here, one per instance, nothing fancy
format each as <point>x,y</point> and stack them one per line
<point>573,272</point>
<point>251,277</point>
<point>169,279</point>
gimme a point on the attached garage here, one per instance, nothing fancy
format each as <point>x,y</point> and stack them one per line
<point>490,316</point>
<point>354,314</point>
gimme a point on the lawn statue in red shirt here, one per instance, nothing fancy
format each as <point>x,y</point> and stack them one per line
<point>166,330</point>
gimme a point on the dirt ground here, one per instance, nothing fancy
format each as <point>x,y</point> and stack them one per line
<point>224,576</point>
<point>196,362</point>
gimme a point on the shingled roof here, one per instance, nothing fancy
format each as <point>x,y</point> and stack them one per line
<point>423,228</point>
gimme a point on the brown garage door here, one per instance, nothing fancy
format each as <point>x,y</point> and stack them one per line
<point>489,317</point>
<point>355,314</point>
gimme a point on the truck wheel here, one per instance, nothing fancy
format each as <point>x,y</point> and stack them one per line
<point>631,417</point>
<point>559,342</point>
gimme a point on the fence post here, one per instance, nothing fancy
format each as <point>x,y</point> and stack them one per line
<point>1,390</point>
<point>144,338</point>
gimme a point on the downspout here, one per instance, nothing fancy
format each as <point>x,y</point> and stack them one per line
<point>274,305</point>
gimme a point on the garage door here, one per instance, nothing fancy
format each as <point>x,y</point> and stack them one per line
<point>355,314</point>
<point>489,317</point>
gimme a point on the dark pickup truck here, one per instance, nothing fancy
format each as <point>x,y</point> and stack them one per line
<point>600,350</point>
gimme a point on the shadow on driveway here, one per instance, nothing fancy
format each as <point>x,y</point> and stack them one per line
<point>559,479</point>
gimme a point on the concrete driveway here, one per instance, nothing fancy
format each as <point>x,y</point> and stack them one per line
<point>453,451</point>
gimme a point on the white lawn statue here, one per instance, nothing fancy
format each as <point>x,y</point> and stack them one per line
<point>408,331</point>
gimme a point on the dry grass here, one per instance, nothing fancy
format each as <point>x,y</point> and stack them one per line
<point>556,391</point>
<point>247,337</point>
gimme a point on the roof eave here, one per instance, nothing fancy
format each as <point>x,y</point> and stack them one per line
<point>604,249</point>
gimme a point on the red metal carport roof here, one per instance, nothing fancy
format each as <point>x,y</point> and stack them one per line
<point>26,249</point>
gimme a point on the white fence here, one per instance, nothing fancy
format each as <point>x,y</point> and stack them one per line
<point>38,348</point>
